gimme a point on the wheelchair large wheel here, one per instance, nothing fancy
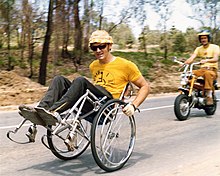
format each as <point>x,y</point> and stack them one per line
<point>112,136</point>
<point>59,148</point>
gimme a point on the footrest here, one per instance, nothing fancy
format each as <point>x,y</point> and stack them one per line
<point>31,115</point>
<point>47,117</point>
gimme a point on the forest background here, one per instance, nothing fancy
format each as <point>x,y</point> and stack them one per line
<point>40,39</point>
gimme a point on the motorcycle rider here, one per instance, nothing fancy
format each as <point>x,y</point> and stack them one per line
<point>209,54</point>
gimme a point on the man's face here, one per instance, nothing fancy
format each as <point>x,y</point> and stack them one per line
<point>101,50</point>
<point>204,40</point>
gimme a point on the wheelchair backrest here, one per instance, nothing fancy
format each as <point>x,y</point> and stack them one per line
<point>127,91</point>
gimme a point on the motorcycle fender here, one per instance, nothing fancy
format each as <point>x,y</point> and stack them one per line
<point>183,90</point>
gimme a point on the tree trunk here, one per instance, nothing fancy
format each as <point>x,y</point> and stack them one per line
<point>22,45</point>
<point>59,18</point>
<point>77,36</point>
<point>78,30</point>
<point>45,52</point>
<point>30,31</point>
<point>65,29</point>
<point>9,36</point>
<point>86,26</point>
<point>145,45</point>
<point>31,54</point>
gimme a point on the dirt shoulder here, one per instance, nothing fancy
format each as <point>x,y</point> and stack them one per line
<point>16,89</point>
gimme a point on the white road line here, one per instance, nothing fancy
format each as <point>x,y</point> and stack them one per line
<point>148,109</point>
<point>14,126</point>
<point>156,108</point>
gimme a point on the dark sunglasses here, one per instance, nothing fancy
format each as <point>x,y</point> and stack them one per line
<point>94,48</point>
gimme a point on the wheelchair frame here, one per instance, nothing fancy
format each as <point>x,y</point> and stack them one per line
<point>111,133</point>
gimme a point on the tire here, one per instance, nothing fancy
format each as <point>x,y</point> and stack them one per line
<point>210,110</point>
<point>58,147</point>
<point>113,136</point>
<point>181,107</point>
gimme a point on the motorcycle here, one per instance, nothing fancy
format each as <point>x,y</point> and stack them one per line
<point>192,93</point>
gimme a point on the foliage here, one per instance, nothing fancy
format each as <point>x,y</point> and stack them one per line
<point>179,43</point>
<point>207,12</point>
<point>167,61</point>
<point>151,37</point>
<point>191,39</point>
<point>164,9</point>
<point>123,36</point>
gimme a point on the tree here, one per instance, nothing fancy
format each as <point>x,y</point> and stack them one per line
<point>207,12</point>
<point>45,51</point>
<point>65,10</point>
<point>23,29</point>
<point>86,21</point>
<point>101,8</point>
<point>163,9</point>
<point>143,40</point>
<point>27,31</point>
<point>78,29</point>
<point>191,39</point>
<point>57,30</point>
<point>77,35</point>
<point>123,36</point>
<point>6,8</point>
<point>179,44</point>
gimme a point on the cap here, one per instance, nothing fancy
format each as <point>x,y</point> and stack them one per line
<point>100,36</point>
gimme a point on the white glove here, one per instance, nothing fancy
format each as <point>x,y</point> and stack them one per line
<point>129,109</point>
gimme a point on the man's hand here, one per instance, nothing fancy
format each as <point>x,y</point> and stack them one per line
<point>129,109</point>
<point>188,61</point>
<point>204,61</point>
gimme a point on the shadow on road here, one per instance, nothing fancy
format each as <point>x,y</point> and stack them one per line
<point>84,164</point>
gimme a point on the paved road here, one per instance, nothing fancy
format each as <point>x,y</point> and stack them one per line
<point>164,147</point>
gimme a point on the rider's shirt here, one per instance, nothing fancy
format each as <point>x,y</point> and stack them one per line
<point>208,53</point>
<point>114,75</point>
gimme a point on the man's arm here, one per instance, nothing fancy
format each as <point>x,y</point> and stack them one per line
<point>213,60</point>
<point>141,95</point>
<point>191,59</point>
<point>143,92</point>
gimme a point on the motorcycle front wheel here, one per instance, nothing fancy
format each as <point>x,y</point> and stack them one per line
<point>181,107</point>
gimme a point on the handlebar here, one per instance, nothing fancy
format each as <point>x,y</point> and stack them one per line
<point>179,62</point>
<point>186,65</point>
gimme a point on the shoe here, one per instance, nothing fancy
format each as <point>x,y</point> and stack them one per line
<point>71,141</point>
<point>209,101</point>
<point>31,134</point>
<point>30,114</point>
<point>50,118</point>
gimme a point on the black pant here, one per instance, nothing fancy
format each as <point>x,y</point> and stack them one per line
<point>63,94</point>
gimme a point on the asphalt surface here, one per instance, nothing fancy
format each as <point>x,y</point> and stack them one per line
<point>164,146</point>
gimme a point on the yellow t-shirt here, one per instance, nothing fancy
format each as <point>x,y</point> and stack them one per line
<point>208,53</point>
<point>114,75</point>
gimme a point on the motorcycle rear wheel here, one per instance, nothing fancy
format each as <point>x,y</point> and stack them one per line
<point>181,107</point>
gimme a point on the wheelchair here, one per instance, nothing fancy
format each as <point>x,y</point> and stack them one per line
<point>109,131</point>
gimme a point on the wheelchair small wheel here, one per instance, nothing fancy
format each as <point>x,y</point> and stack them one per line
<point>59,148</point>
<point>112,136</point>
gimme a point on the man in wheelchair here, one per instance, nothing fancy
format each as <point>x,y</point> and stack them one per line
<point>110,75</point>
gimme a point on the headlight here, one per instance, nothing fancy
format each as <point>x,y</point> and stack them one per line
<point>184,81</point>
